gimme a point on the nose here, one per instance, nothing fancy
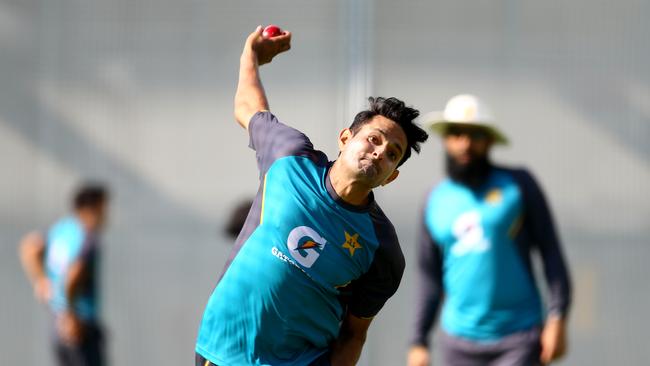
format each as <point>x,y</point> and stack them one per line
<point>464,141</point>
<point>379,152</point>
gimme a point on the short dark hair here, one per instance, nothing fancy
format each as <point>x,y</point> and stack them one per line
<point>90,195</point>
<point>395,110</point>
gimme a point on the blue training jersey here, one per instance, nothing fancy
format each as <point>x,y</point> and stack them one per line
<point>68,242</point>
<point>303,258</point>
<point>474,252</point>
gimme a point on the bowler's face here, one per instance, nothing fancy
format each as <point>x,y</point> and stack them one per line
<point>374,151</point>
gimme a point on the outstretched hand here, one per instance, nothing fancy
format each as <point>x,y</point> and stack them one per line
<point>265,49</point>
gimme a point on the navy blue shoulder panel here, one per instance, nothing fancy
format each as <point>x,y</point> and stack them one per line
<point>271,140</point>
<point>371,291</point>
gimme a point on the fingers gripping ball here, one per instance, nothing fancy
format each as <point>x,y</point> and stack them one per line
<point>271,31</point>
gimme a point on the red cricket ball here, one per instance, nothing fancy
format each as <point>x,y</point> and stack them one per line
<point>271,31</point>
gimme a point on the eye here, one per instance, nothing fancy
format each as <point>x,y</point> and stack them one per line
<point>392,156</point>
<point>373,139</point>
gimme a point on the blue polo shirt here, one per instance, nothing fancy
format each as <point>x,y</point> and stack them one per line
<point>68,242</point>
<point>474,256</point>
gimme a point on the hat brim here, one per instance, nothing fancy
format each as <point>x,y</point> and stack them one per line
<point>440,125</point>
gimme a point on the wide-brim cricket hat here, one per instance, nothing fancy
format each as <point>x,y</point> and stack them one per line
<point>464,110</point>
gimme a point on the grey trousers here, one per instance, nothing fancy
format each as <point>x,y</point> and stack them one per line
<point>518,349</point>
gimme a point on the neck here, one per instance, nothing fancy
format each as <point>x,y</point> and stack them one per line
<point>350,189</point>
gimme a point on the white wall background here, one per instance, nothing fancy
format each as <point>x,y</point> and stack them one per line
<point>139,93</point>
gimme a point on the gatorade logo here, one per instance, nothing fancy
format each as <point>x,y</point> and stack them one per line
<point>305,245</point>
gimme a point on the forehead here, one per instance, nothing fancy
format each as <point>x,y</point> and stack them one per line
<point>388,127</point>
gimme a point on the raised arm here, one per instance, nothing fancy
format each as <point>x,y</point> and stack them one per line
<point>32,252</point>
<point>250,97</point>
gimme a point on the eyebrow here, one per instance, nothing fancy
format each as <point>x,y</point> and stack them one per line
<point>401,150</point>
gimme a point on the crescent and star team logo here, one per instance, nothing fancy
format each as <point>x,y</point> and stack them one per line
<point>306,245</point>
<point>494,196</point>
<point>351,243</point>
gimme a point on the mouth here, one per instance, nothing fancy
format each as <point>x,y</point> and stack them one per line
<point>464,159</point>
<point>368,166</point>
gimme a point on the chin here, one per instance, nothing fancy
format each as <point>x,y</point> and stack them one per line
<point>365,177</point>
<point>369,172</point>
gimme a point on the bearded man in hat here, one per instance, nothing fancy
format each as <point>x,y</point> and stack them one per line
<point>479,228</point>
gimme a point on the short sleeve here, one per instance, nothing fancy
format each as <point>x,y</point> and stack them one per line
<point>272,140</point>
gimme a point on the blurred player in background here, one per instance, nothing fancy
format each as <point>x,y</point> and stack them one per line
<point>317,258</point>
<point>479,229</point>
<point>62,267</point>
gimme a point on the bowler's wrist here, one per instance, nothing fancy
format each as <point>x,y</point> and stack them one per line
<point>248,56</point>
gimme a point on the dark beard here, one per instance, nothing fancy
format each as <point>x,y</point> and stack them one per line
<point>472,174</point>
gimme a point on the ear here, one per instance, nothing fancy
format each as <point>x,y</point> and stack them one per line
<point>344,137</point>
<point>391,177</point>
